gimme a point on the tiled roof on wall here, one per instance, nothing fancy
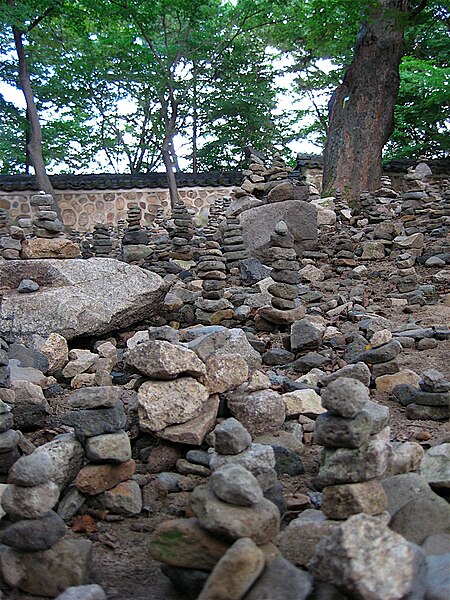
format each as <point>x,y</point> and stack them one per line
<point>107,181</point>
<point>439,166</point>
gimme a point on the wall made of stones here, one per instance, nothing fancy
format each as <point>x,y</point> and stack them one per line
<point>81,210</point>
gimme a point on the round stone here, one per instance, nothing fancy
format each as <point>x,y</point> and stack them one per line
<point>31,470</point>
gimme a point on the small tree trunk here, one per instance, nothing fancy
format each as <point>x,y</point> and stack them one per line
<point>194,120</point>
<point>169,166</point>
<point>361,116</point>
<point>34,145</point>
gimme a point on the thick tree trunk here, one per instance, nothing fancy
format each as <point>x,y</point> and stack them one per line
<point>361,116</point>
<point>34,145</point>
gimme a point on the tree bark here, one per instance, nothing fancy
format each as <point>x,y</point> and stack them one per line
<point>168,164</point>
<point>361,117</point>
<point>34,146</point>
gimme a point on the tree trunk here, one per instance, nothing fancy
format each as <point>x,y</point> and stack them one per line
<point>34,145</point>
<point>361,118</point>
<point>171,181</point>
<point>194,120</point>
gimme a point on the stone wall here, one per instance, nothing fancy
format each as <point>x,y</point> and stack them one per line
<point>82,209</point>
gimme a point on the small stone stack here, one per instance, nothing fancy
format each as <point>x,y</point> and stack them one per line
<point>134,234</point>
<point>414,194</point>
<point>3,222</point>
<point>351,462</point>
<point>406,278</point>
<point>98,420</point>
<point>254,178</point>
<point>161,256</point>
<point>45,221</point>
<point>9,439</point>
<point>215,213</point>
<point>234,249</point>
<point>101,241</point>
<point>285,268</point>
<point>38,559</point>
<point>159,220</point>
<point>212,307</point>
<point>182,233</point>
<point>431,401</point>
<point>381,355</point>
<point>278,170</point>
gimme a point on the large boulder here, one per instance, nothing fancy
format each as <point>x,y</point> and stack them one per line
<point>258,224</point>
<point>76,297</point>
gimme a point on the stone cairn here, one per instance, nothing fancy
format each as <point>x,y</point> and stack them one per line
<point>430,401</point>
<point>182,233</point>
<point>351,461</point>
<point>99,420</point>
<point>285,268</point>
<point>134,234</point>
<point>233,243</point>
<point>39,559</point>
<point>101,241</point>
<point>9,439</point>
<point>10,244</point>
<point>45,221</point>
<point>212,307</point>
<point>406,278</point>
<point>3,222</point>
<point>210,231</point>
<point>159,220</point>
<point>230,507</point>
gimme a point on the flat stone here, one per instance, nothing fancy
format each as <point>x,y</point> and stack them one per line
<point>339,432</point>
<point>95,397</point>
<point>29,471</point>
<point>183,543</point>
<point>163,403</point>
<point>437,577</point>
<point>160,359</point>
<point>30,502</point>
<point>435,466</point>
<point>359,371</point>
<point>235,573</point>
<point>70,504</point>
<point>366,559</point>
<point>343,501</point>
<point>225,372</point>
<point>386,383</point>
<point>381,354</point>
<point>28,357</point>
<point>305,336</point>
<point>259,459</point>
<point>234,484</point>
<point>231,437</point>
<point>95,479</point>
<point>32,535</point>
<point>123,499</point>
<point>39,248</point>
<point>89,423</point>
<point>49,572</point>
<point>109,447</point>
<point>260,522</point>
<point>421,412</point>
<point>281,581</point>
<point>30,407</point>
<point>303,402</point>
<point>345,397</point>
<point>260,412</point>
<point>8,440</point>
<point>194,431</point>
<point>378,414</point>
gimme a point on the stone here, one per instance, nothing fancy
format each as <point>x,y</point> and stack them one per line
<point>422,412</point>
<point>28,357</point>
<point>225,372</point>
<point>346,465</point>
<point>437,577</point>
<point>67,455</point>
<point>40,248</point>
<point>259,459</point>
<point>339,432</point>
<point>231,437</point>
<point>287,461</point>
<point>373,250</point>
<point>260,522</point>
<point>95,479</point>
<point>381,354</point>
<point>97,421</point>
<point>8,441</point>
<point>81,361</point>
<point>159,359</point>
<point>260,412</point>
<point>303,402</point>
<point>123,499</point>
<point>235,573</point>
<point>234,484</point>
<point>163,403</point>
<point>386,383</point>
<point>34,469</point>
<point>30,502</point>
<point>49,572</point>
<point>56,350</point>
<point>422,517</point>
<point>30,407</point>
<point>32,535</point>
<point>343,501</point>
<point>359,371</point>
<point>70,504</point>
<point>435,466</point>
<point>257,226</point>
<point>298,541</point>
<point>345,397</point>
<point>281,581</point>
<point>437,543</point>
<point>93,296</point>
<point>194,431</point>
<point>95,397</point>
<point>188,582</point>
<point>401,489</point>
<point>305,336</point>
<point>366,559</point>
<point>405,457</point>
<point>109,447</point>
<point>378,414</point>
<point>83,592</point>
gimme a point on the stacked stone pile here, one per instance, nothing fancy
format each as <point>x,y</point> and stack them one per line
<point>3,222</point>
<point>212,307</point>
<point>233,243</point>
<point>406,278</point>
<point>45,221</point>
<point>9,439</point>
<point>431,400</point>
<point>101,241</point>
<point>182,233</point>
<point>10,238</point>
<point>347,428</point>
<point>159,220</point>
<point>215,214</point>
<point>38,558</point>
<point>134,234</point>
<point>380,354</point>
<point>99,421</point>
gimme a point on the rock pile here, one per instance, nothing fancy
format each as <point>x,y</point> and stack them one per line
<point>3,222</point>
<point>212,307</point>
<point>134,235</point>
<point>233,243</point>
<point>9,439</point>
<point>182,233</point>
<point>99,420</point>
<point>345,431</point>
<point>45,220</point>
<point>431,400</point>
<point>101,241</point>
<point>38,558</point>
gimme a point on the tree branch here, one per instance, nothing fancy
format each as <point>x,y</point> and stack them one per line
<point>41,18</point>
